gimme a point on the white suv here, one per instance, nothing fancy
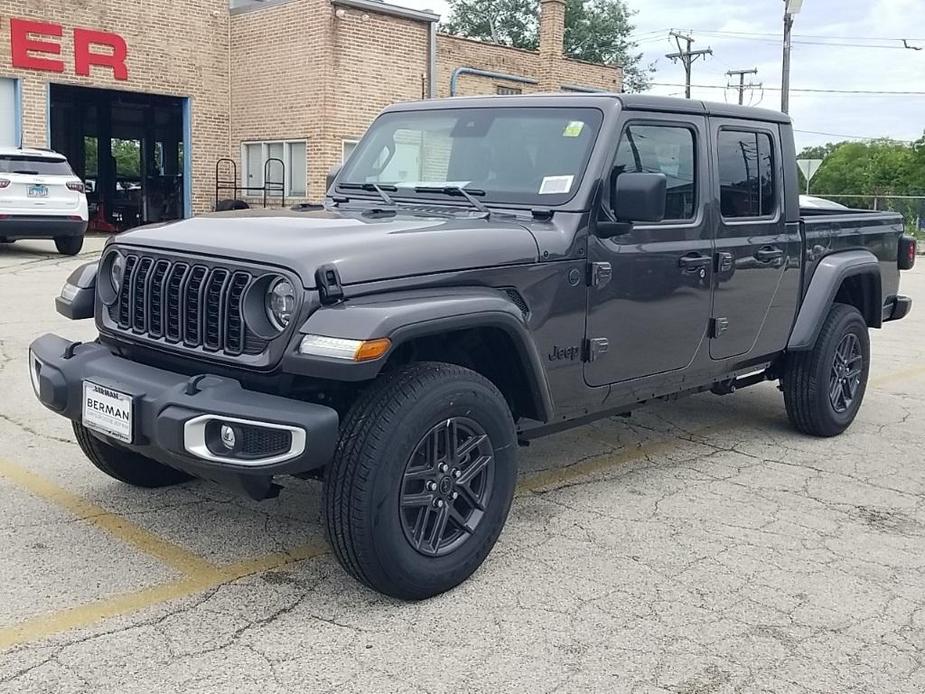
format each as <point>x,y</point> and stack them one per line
<point>41,198</point>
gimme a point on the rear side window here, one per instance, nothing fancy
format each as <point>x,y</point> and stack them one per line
<point>746,174</point>
<point>667,150</point>
<point>43,166</point>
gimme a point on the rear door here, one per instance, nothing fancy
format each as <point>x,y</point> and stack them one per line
<point>37,184</point>
<point>757,254</point>
<point>649,314</point>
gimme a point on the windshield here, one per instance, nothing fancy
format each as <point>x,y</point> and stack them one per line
<point>510,155</point>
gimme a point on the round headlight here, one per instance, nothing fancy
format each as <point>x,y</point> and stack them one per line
<point>116,270</point>
<point>280,303</point>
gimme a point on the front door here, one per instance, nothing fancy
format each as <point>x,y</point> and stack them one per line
<point>652,315</point>
<point>758,255</point>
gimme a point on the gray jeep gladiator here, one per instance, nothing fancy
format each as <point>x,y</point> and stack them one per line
<point>483,271</point>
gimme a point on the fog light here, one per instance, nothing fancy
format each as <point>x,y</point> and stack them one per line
<point>227,436</point>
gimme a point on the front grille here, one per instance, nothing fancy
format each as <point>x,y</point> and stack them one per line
<point>186,303</point>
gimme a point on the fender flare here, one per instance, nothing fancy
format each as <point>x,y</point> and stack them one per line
<point>830,273</point>
<point>407,315</point>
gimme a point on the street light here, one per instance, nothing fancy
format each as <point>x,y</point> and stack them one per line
<point>791,7</point>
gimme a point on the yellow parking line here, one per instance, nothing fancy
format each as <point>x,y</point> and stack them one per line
<point>174,556</point>
<point>43,626</point>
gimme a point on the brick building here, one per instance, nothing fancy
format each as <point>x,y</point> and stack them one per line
<point>145,103</point>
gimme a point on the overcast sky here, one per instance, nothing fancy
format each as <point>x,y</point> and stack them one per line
<point>850,28</point>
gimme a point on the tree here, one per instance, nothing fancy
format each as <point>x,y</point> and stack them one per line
<point>873,171</point>
<point>595,30</point>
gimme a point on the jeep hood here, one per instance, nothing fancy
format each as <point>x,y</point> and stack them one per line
<point>363,247</point>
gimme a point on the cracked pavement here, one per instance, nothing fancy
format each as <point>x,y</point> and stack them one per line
<point>699,546</point>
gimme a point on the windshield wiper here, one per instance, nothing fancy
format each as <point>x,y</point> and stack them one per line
<point>373,188</point>
<point>458,191</point>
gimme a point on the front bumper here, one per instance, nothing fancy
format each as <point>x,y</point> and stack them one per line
<point>166,407</point>
<point>40,227</point>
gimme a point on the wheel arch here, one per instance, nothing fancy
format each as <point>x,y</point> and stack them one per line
<point>849,277</point>
<point>480,328</point>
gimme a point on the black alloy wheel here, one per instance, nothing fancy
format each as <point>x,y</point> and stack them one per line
<point>845,378</point>
<point>447,486</point>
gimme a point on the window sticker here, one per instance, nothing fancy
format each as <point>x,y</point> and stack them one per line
<point>573,129</point>
<point>556,185</point>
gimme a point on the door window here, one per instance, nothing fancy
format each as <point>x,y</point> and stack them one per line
<point>746,174</point>
<point>663,149</point>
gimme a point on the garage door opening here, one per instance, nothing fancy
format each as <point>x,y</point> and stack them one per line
<point>128,148</point>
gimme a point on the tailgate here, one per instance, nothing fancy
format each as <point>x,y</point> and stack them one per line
<point>37,185</point>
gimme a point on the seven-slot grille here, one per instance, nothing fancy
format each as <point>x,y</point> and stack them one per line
<point>186,303</point>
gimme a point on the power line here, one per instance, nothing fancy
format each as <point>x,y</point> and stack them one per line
<point>849,137</point>
<point>902,47</point>
<point>810,36</point>
<point>871,92</point>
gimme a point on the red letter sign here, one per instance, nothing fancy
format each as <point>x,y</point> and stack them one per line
<point>84,58</point>
<point>21,44</point>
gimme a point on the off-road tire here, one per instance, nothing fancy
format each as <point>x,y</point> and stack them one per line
<point>69,245</point>
<point>124,465</point>
<point>363,483</point>
<point>806,378</point>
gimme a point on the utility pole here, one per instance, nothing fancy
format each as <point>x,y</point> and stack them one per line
<point>742,86</point>
<point>687,58</point>
<point>791,7</point>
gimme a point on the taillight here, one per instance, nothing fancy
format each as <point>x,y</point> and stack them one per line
<point>4,183</point>
<point>75,186</point>
<point>907,250</point>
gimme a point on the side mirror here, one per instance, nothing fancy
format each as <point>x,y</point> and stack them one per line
<point>639,197</point>
<point>332,174</point>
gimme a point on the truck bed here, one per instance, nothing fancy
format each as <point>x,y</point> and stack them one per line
<point>829,231</point>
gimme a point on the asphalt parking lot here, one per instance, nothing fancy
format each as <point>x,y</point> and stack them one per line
<point>699,546</point>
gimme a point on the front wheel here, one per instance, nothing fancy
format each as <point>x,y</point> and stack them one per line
<point>422,480</point>
<point>824,387</point>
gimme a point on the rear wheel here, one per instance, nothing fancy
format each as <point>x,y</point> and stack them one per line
<point>422,480</point>
<point>69,245</point>
<point>125,465</point>
<point>824,387</point>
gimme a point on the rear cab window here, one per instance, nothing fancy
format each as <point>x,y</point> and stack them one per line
<point>747,184</point>
<point>34,165</point>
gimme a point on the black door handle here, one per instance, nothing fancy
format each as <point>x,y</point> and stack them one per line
<point>769,254</point>
<point>694,261</point>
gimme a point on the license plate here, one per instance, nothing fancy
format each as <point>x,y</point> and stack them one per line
<point>38,191</point>
<point>107,411</point>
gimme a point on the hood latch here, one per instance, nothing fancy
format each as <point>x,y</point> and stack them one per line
<point>328,280</point>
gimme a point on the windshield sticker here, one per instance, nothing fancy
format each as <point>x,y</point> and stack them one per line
<point>553,185</point>
<point>573,129</point>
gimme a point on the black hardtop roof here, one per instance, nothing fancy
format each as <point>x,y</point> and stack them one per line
<point>632,102</point>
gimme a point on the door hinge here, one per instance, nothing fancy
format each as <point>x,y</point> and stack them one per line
<point>718,326</point>
<point>599,274</point>
<point>592,349</point>
<point>724,262</point>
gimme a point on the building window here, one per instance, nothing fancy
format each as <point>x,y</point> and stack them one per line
<point>746,174</point>
<point>292,177</point>
<point>347,148</point>
<point>500,89</point>
<point>667,150</point>
<point>9,113</point>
